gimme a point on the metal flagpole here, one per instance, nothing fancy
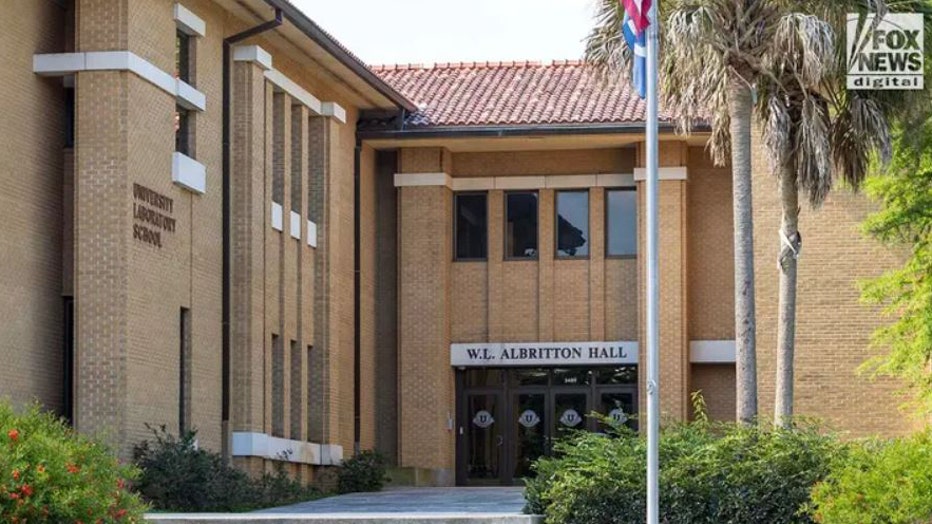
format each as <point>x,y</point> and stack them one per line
<point>653,331</point>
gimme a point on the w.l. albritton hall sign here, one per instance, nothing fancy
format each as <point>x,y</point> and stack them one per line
<point>543,354</point>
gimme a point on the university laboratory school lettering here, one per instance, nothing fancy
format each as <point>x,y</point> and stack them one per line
<point>151,215</point>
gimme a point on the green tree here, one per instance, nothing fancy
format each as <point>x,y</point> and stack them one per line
<point>905,221</point>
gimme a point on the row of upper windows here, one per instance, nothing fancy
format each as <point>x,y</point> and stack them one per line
<point>571,219</point>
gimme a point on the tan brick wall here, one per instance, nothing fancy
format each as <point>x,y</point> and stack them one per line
<point>716,382</point>
<point>710,245</point>
<point>424,328</point>
<point>31,206</point>
<point>833,328</point>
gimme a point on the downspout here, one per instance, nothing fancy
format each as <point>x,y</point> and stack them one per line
<point>227,190</point>
<point>357,306</point>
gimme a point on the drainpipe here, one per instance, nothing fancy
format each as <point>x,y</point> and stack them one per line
<point>227,190</point>
<point>357,347</point>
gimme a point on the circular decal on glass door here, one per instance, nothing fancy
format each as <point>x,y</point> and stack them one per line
<point>528,419</point>
<point>570,418</point>
<point>618,415</point>
<point>483,419</point>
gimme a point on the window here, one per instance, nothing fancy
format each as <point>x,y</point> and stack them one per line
<point>296,390</point>
<point>184,372</point>
<point>572,223</point>
<point>621,227</point>
<point>471,226</point>
<point>183,123</point>
<point>521,224</point>
<point>278,387</point>
<point>69,117</point>
<point>183,56</point>
<point>184,119</point>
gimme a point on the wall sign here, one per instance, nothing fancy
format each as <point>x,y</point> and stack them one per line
<point>535,354</point>
<point>618,415</point>
<point>152,214</point>
<point>570,418</point>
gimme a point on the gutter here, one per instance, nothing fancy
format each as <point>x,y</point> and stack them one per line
<point>227,217</point>
<point>516,131</point>
<point>357,297</point>
<point>335,49</point>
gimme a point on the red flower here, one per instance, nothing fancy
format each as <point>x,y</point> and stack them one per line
<point>13,434</point>
<point>14,495</point>
<point>121,483</point>
<point>120,513</point>
<point>15,474</point>
<point>27,490</point>
<point>73,468</point>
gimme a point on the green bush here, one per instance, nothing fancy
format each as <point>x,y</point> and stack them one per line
<point>364,472</point>
<point>878,482</point>
<point>49,473</point>
<point>709,474</point>
<point>177,476</point>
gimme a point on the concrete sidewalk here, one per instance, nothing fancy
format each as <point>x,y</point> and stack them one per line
<point>499,505</point>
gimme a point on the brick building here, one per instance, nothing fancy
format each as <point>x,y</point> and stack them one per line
<point>216,217</point>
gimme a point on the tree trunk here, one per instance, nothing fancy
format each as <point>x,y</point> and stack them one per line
<point>739,110</point>
<point>790,244</point>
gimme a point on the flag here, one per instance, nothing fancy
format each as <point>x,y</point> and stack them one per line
<point>638,10</point>
<point>637,42</point>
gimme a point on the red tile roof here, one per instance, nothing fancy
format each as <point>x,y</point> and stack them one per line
<point>511,94</point>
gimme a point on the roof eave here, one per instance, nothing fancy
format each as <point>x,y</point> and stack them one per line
<point>519,130</point>
<point>325,41</point>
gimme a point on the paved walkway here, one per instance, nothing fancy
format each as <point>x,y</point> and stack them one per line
<point>466,501</point>
<point>392,506</point>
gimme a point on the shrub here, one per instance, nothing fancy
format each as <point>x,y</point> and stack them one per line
<point>709,474</point>
<point>878,482</point>
<point>364,472</point>
<point>49,473</point>
<point>177,476</point>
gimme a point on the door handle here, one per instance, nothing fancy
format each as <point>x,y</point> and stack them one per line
<point>501,440</point>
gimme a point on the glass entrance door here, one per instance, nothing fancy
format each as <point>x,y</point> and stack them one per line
<point>484,438</point>
<point>530,431</point>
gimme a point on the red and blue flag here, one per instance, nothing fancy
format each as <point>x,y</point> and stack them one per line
<point>634,29</point>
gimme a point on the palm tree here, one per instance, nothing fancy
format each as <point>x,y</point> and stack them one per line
<point>714,53</point>
<point>718,56</point>
<point>815,131</point>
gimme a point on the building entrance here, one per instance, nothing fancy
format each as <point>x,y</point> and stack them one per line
<point>507,418</point>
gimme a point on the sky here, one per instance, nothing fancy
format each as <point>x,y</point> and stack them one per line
<point>431,31</point>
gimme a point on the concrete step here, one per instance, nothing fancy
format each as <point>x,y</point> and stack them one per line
<point>341,518</point>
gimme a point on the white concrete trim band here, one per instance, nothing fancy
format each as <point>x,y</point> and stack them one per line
<point>664,173</point>
<point>712,351</point>
<point>513,182</point>
<point>188,22</point>
<point>63,64</point>
<point>253,444</point>
<point>543,354</point>
<point>189,173</point>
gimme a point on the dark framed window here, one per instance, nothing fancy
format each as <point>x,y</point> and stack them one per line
<point>521,225</point>
<point>621,222</point>
<point>471,223</point>
<point>183,123</point>
<point>69,117</point>
<point>572,226</point>
<point>183,56</point>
